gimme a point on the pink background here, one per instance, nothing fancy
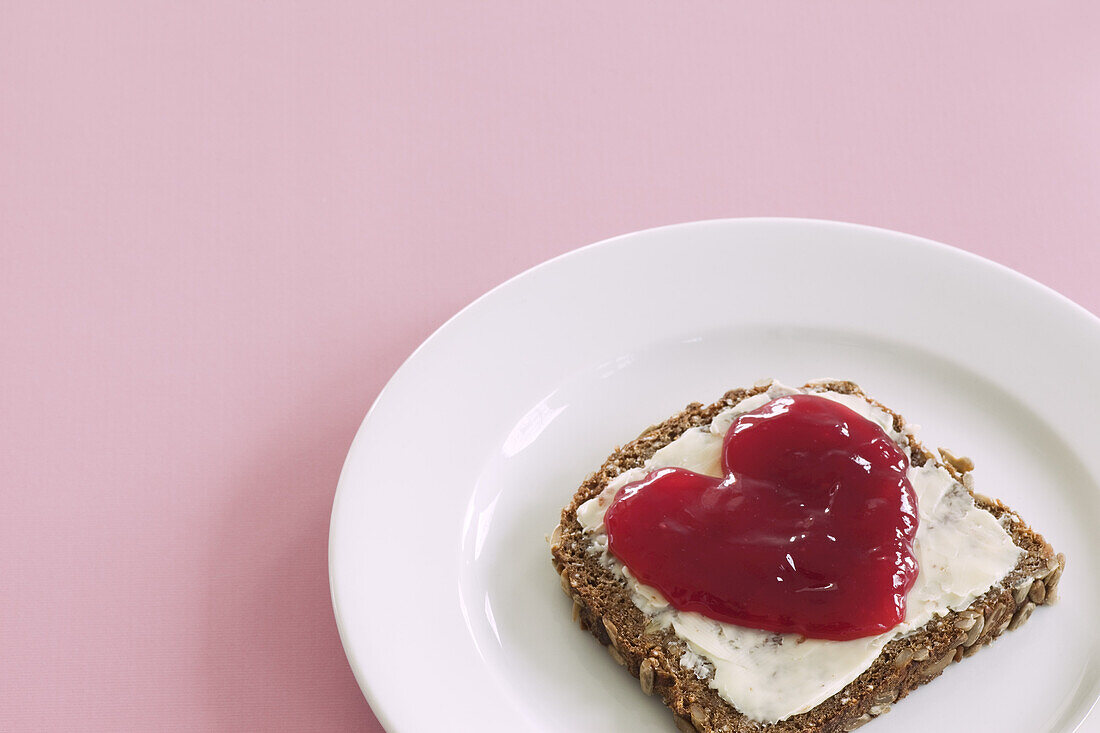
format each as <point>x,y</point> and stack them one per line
<point>225,224</point>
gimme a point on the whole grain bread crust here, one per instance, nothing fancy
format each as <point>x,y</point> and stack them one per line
<point>603,606</point>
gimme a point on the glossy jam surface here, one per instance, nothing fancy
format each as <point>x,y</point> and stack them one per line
<point>810,532</point>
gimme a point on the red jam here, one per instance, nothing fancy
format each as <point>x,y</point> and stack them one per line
<point>811,532</point>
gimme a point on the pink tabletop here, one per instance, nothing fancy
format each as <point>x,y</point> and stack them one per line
<point>225,224</point>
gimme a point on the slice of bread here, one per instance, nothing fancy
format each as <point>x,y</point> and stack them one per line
<point>603,606</point>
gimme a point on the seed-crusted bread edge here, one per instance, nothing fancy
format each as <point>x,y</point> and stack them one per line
<point>602,604</point>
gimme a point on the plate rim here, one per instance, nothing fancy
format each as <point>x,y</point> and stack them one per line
<point>379,707</point>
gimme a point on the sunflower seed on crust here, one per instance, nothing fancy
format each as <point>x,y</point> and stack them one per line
<point>646,675</point>
<point>576,610</point>
<point>619,659</point>
<point>885,698</point>
<point>878,710</point>
<point>972,650</point>
<point>565,586</point>
<point>612,632</point>
<point>858,722</point>
<point>555,538</point>
<point>698,716</point>
<point>904,657</point>
<point>931,669</point>
<point>921,654</point>
<point>962,464</point>
<point>978,496</point>
<point>966,620</point>
<point>996,616</point>
<point>1038,592</point>
<point>1051,583</point>
<point>1023,613</point>
<point>684,725</point>
<point>1021,589</point>
<point>975,631</point>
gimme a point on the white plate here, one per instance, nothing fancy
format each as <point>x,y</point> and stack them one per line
<point>448,607</point>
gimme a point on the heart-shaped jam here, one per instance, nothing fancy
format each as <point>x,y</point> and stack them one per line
<point>810,532</point>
